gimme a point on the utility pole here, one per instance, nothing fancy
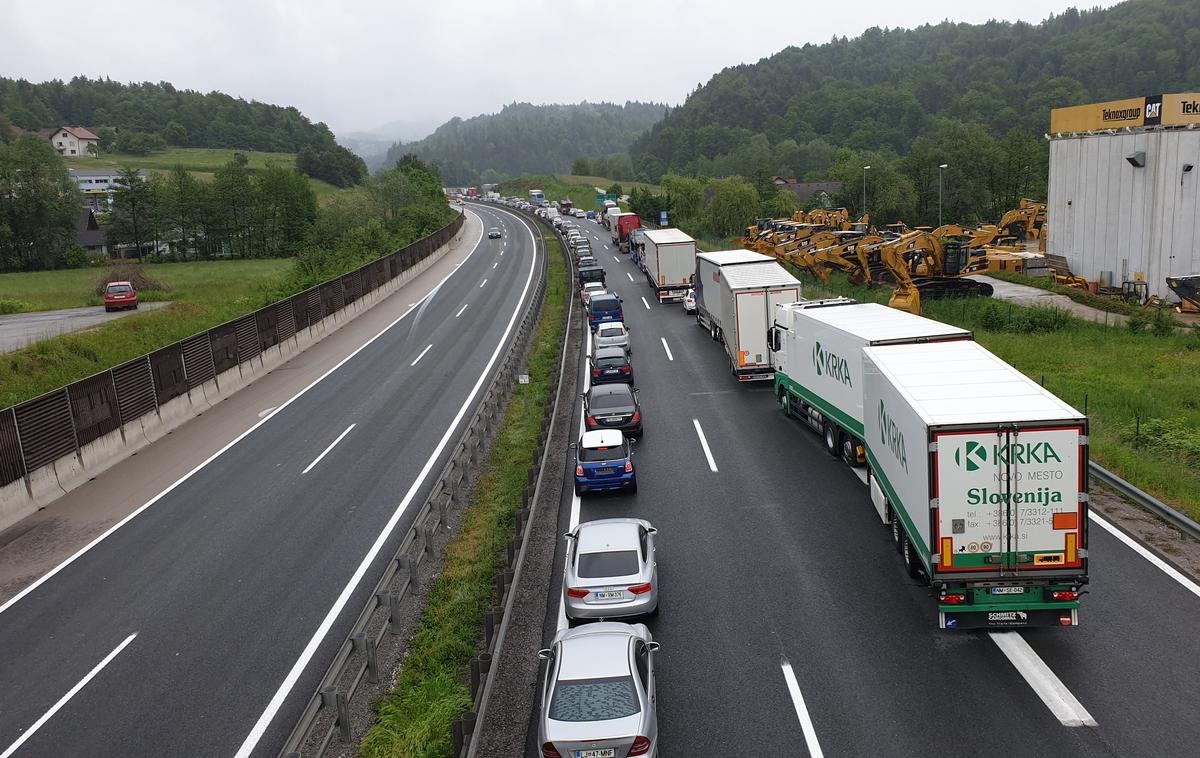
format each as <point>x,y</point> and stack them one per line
<point>941,170</point>
<point>864,205</point>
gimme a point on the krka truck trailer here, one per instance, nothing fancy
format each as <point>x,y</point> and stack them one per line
<point>983,475</point>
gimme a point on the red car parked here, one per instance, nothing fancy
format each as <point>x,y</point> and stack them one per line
<point>118,295</point>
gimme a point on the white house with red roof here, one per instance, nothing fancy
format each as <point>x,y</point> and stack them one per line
<point>73,141</point>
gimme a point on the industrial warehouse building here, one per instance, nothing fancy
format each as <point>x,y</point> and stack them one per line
<point>1123,189</point>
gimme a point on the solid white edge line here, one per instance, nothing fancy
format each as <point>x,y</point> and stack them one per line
<point>1134,545</point>
<point>482,283</point>
<point>806,724</point>
<point>629,275</point>
<point>712,464</point>
<point>664,344</point>
<point>576,504</point>
<point>285,688</point>
<point>1065,707</point>
<point>422,355</point>
<point>460,310</point>
<point>50,574</point>
<point>645,303</point>
<point>325,452</point>
<point>63,700</point>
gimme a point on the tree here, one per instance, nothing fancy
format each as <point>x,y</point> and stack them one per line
<point>234,198</point>
<point>686,195</point>
<point>134,213</point>
<point>733,207</point>
<point>616,189</point>
<point>175,134</point>
<point>182,203</point>
<point>286,209</point>
<point>39,205</point>
<point>581,168</point>
<point>780,204</point>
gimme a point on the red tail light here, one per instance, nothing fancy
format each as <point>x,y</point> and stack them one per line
<point>954,598</point>
<point>591,420</point>
<point>595,372</point>
<point>628,467</point>
<point>1064,595</point>
<point>576,593</point>
<point>548,751</point>
<point>626,369</point>
<point>1064,620</point>
<point>637,416</point>
<point>641,589</point>
<point>579,471</point>
<point>640,746</point>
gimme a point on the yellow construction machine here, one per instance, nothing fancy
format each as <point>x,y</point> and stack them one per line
<point>926,265</point>
<point>1025,222</point>
<point>843,252</point>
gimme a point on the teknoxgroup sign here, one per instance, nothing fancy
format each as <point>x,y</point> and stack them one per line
<point>1152,110</point>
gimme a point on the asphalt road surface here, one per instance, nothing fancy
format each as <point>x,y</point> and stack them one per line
<point>789,627</point>
<point>18,330</point>
<point>201,626</point>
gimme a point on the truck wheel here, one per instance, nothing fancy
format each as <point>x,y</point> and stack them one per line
<point>848,451</point>
<point>785,402</point>
<point>897,530</point>
<point>831,440</point>
<point>911,565</point>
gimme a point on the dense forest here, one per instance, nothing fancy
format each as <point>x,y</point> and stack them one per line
<point>884,89</point>
<point>529,139</point>
<point>142,117</point>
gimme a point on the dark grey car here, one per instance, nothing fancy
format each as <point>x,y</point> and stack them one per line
<point>613,406</point>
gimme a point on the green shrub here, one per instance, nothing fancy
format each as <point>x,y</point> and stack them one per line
<point>75,257</point>
<point>997,317</point>
<point>1174,437</point>
<point>13,306</point>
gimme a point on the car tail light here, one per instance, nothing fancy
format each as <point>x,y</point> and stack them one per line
<point>579,471</point>
<point>641,589</point>
<point>954,598</point>
<point>1064,595</point>
<point>628,467</point>
<point>591,420</point>
<point>626,369</point>
<point>640,746</point>
<point>637,416</point>
<point>549,751</point>
<point>577,593</point>
<point>595,372</point>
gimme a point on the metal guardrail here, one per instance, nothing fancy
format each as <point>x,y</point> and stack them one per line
<point>58,423</point>
<point>326,716</point>
<point>1146,500</point>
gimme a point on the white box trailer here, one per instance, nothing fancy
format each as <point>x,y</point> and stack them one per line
<point>610,217</point>
<point>669,260</point>
<point>817,354</point>
<point>707,282</point>
<point>739,307</point>
<point>983,474</point>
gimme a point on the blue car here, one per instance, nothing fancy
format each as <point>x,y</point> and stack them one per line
<point>591,214</point>
<point>604,308</point>
<point>604,463</point>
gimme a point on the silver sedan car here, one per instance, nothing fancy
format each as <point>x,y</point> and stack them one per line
<point>613,334</point>
<point>598,693</point>
<point>611,570</point>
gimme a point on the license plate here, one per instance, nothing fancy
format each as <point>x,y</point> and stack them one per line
<point>1008,590</point>
<point>613,419</point>
<point>610,595</point>
<point>604,471</point>
<point>610,371</point>
<point>604,752</point>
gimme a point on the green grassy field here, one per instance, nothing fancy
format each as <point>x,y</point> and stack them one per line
<point>600,181</point>
<point>1138,389</point>
<point>205,294</point>
<point>414,719</point>
<point>201,162</point>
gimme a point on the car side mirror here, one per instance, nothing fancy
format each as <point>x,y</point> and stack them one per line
<point>632,442</point>
<point>573,445</point>
<point>651,530</point>
<point>569,535</point>
<point>651,646</point>
<point>545,654</point>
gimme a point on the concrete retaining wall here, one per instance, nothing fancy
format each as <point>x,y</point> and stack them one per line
<point>45,485</point>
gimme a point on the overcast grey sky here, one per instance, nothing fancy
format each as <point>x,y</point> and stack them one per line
<point>359,64</point>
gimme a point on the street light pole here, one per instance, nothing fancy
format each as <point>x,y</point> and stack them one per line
<point>941,169</point>
<point>864,205</point>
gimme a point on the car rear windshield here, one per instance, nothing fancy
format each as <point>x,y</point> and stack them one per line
<point>596,454</point>
<point>606,305</point>
<point>594,699</point>
<point>591,274</point>
<point>611,331</point>
<point>613,563</point>
<point>615,400</point>
<point>120,288</point>
<point>615,360</point>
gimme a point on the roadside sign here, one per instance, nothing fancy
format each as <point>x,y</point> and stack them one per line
<point>600,198</point>
<point>662,218</point>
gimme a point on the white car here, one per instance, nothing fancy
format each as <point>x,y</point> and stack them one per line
<point>580,214</point>
<point>613,334</point>
<point>589,290</point>
<point>689,301</point>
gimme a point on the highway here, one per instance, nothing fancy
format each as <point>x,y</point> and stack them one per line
<point>202,625</point>
<point>789,627</point>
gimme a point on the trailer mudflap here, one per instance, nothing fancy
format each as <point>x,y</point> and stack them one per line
<point>1008,619</point>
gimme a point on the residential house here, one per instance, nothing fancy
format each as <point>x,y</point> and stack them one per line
<point>88,233</point>
<point>73,141</point>
<point>809,193</point>
<point>97,185</point>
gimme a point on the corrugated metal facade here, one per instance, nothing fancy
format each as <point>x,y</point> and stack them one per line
<point>1105,215</point>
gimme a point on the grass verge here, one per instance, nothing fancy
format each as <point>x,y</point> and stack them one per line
<point>414,719</point>
<point>1138,388</point>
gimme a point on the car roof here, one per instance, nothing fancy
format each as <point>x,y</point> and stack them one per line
<point>611,324</point>
<point>609,351</point>
<point>619,388</point>
<point>594,285</point>
<point>603,297</point>
<point>602,438</point>
<point>127,284</point>
<point>598,654</point>
<point>591,268</point>
<point>608,535</point>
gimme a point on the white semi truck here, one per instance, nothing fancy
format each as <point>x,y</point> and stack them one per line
<point>817,354</point>
<point>982,475</point>
<point>736,295</point>
<point>669,259</point>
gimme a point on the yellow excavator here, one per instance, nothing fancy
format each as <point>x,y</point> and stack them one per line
<point>843,252</point>
<point>923,264</point>
<point>1026,221</point>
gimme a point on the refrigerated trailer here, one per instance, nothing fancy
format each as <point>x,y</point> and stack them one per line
<point>816,350</point>
<point>669,260</point>
<point>736,297</point>
<point>982,474</point>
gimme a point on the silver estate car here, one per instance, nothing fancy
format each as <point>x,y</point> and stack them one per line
<point>598,693</point>
<point>611,570</point>
<point>613,334</point>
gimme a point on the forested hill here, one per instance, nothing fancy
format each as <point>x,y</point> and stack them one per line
<point>529,139</point>
<point>883,89</point>
<point>207,120</point>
